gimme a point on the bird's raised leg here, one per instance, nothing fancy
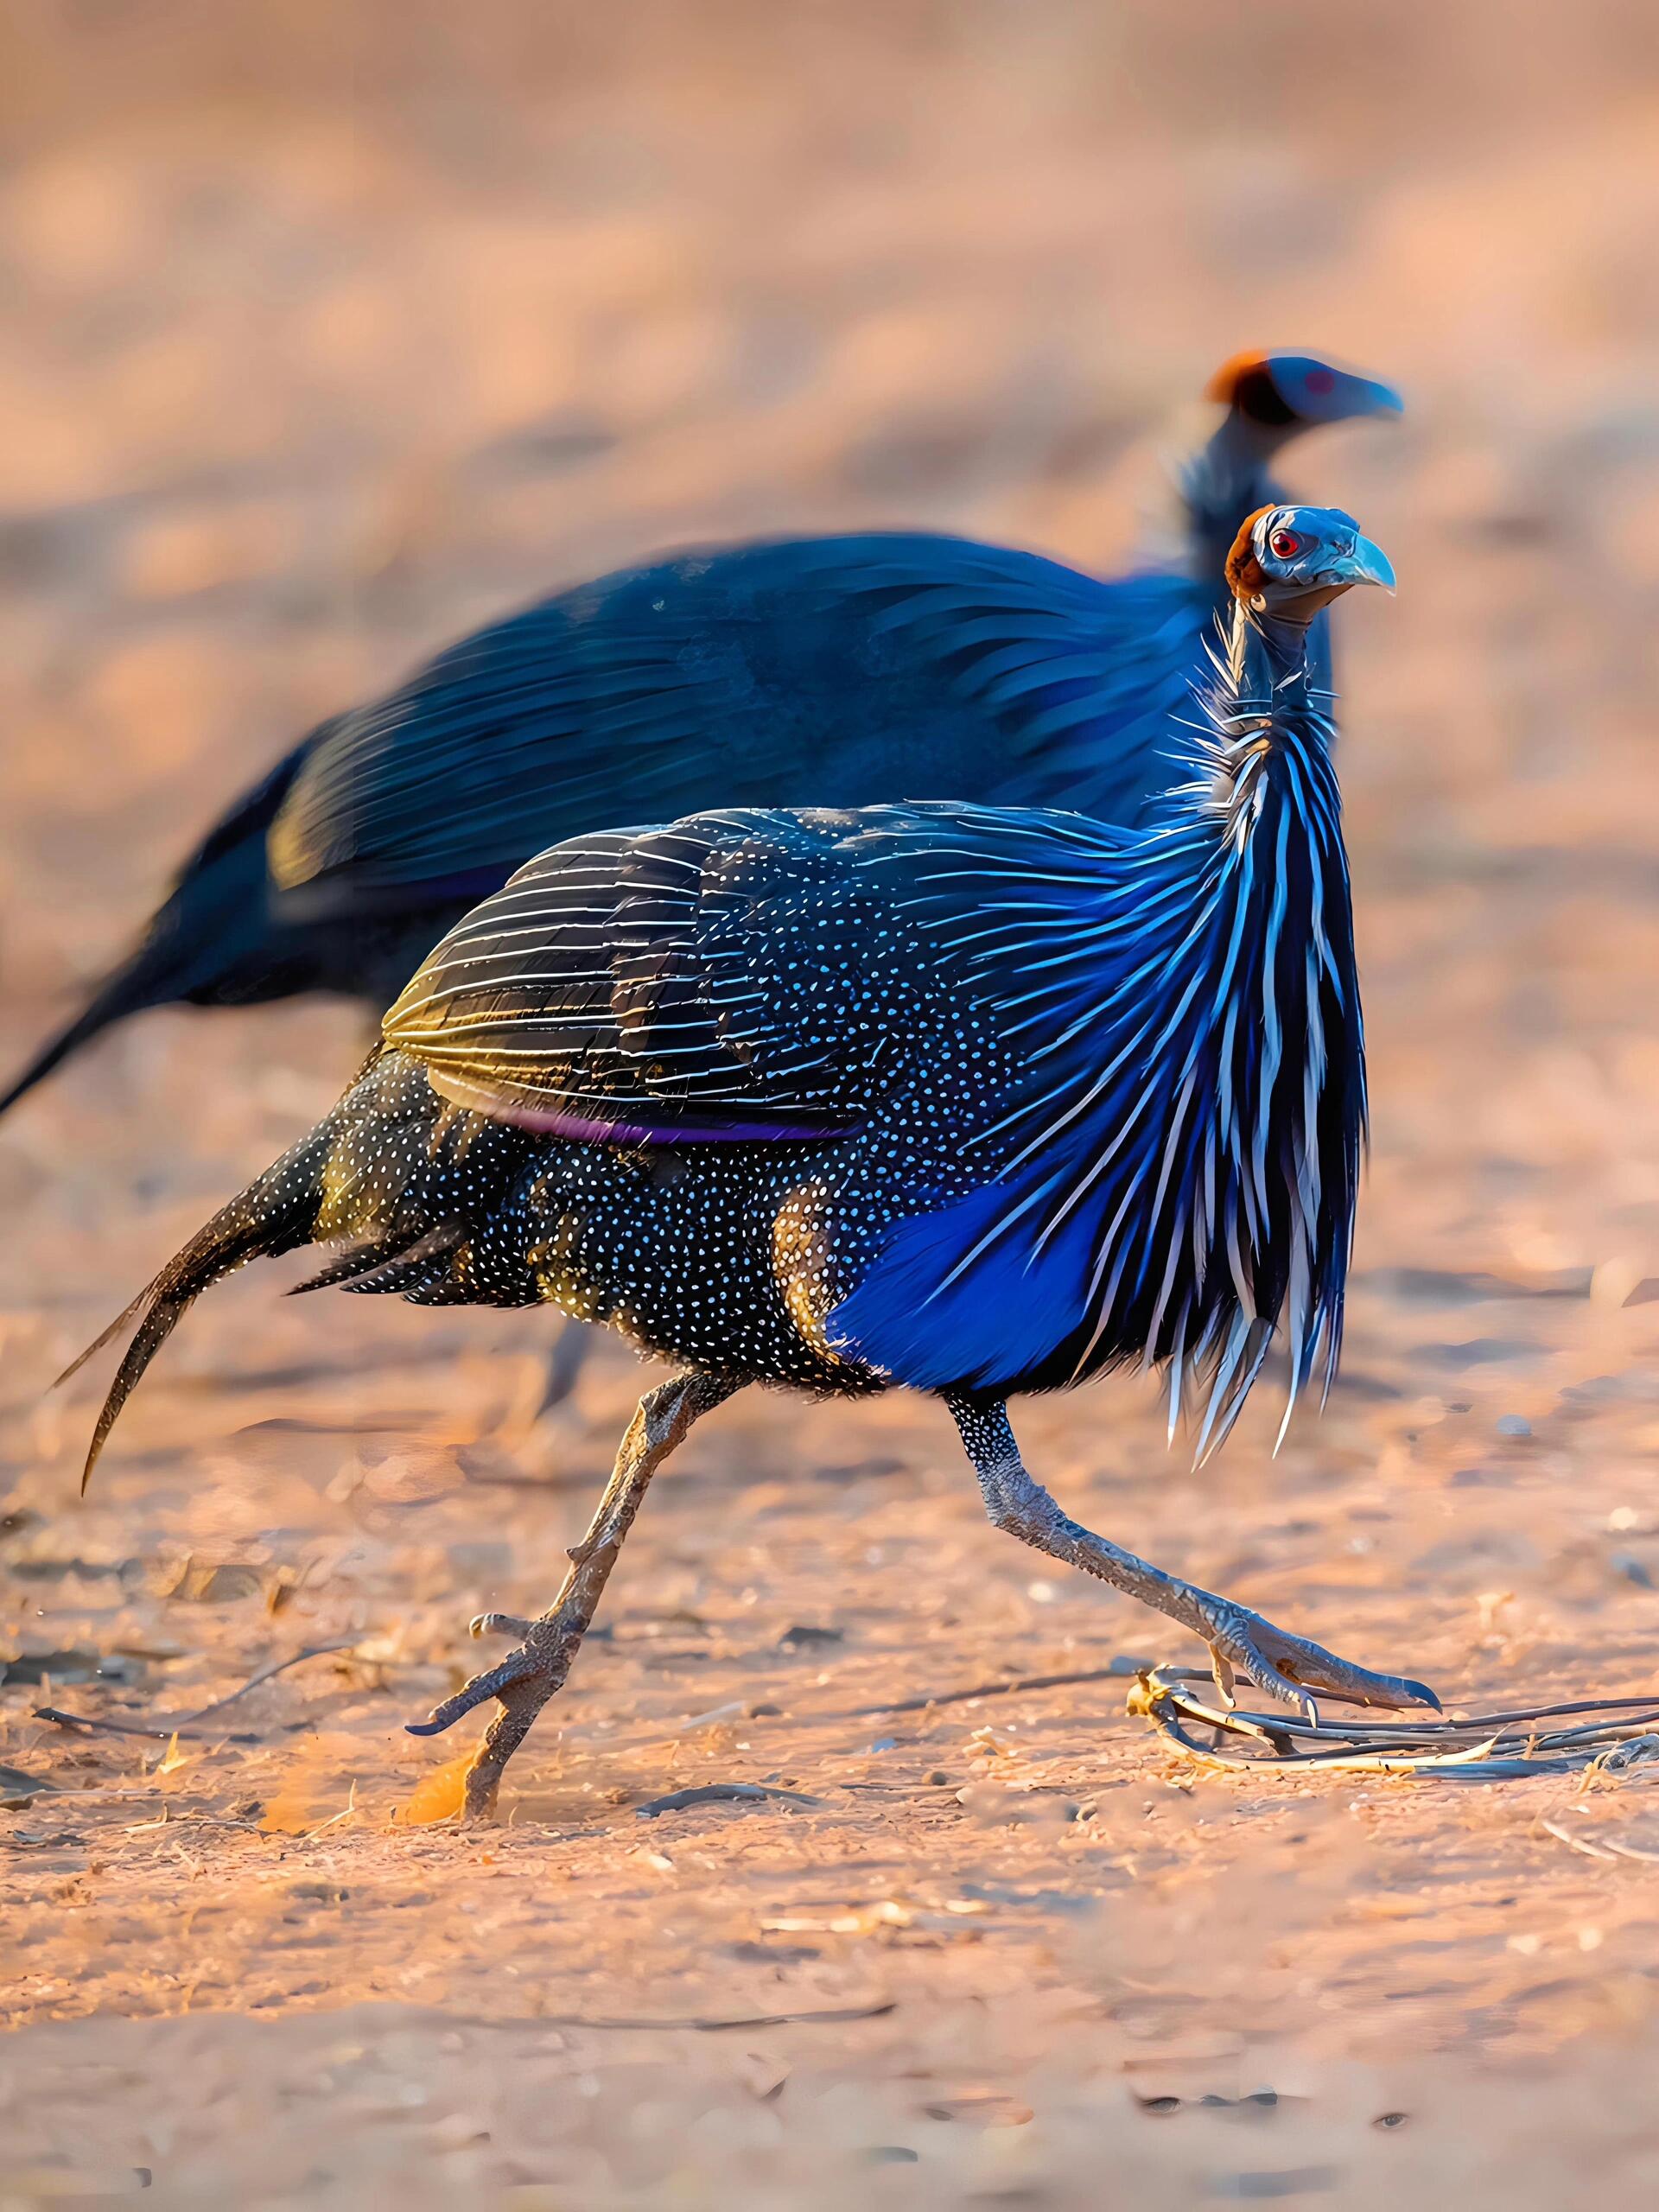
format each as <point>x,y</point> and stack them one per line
<point>528,1677</point>
<point>1286,1667</point>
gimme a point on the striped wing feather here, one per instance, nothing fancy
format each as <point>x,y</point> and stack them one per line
<point>722,978</point>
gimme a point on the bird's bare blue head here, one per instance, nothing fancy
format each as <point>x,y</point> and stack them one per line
<point>1289,562</point>
<point>1277,395</point>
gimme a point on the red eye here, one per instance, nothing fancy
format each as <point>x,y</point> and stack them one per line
<point>1286,543</point>
<point>1320,380</point>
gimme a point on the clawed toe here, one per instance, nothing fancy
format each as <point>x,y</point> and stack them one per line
<point>537,1667</point>
<point>1236,1656</point>
<point>1293,1671</point>
<point>519,1666</point>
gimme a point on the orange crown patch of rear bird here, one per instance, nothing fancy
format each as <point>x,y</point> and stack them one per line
<point>1224,385</point>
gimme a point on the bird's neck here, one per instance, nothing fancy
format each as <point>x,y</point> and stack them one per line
<point>1226,480</point>
<point>1269,735</point>
<point>1264,1050</point>
<point>1181,1143</point>
<point>1267,661</point>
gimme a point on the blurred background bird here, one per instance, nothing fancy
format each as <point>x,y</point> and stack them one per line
<point>840,670</point>
<point>976,1101</point>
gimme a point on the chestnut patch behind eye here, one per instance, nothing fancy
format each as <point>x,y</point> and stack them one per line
<point>1244,575</point>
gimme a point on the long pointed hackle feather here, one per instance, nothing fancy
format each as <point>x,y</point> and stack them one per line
<point>1195,1148</point>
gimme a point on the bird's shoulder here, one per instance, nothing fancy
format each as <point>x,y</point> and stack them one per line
<point>738,970</point>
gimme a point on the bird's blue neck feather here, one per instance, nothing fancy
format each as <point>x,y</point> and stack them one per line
<point>1175,1174</point>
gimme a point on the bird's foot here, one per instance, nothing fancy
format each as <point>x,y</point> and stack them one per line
<point>521,1683</point>
<point>536,1667</point>
<point>1292,1670</point>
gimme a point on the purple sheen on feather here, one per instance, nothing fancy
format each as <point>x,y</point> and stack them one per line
<point>586,1129</point>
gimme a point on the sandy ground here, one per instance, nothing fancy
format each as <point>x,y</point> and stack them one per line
<point>334,331</point>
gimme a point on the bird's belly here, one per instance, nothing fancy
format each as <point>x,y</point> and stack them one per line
<point>745,1256</point>
<point>716,1257</point>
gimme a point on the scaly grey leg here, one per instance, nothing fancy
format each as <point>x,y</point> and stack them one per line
<point>1286,1667</point>
<point>527,1677</point>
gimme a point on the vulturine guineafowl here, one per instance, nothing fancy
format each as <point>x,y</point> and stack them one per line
<point>813,671</point>
<point>978,1102</point>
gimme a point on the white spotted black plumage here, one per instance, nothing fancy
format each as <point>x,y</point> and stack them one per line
<point>972,1099</point>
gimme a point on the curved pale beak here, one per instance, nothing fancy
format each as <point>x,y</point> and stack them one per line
<point>1366,396</point>
<point>1366,563</point>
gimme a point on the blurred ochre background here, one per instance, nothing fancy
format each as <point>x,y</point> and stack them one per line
<point>332,330</point>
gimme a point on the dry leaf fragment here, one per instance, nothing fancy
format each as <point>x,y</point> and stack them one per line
<point>721,1793</point>
<point>215,1582</point>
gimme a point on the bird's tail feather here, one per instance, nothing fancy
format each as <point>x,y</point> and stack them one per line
<point>212,940</point>
<point>276,1213</point>
<point>136,985</point>
<point>399,1183</point>
<point>385,1262</point>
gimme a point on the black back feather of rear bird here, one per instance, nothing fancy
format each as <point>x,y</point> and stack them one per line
<point>828,671</point>
<point>976,1101</point>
